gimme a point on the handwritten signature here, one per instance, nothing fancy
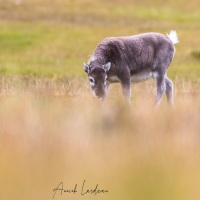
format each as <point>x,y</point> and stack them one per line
<point>95,191</point>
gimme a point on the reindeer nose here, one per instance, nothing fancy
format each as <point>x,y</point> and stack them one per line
<point>99,94</point>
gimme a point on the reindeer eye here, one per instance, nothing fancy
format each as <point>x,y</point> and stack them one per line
<point>106,78</point>
<point>92,82</point>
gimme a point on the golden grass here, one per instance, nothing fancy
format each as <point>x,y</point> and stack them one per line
<point>50,133</point>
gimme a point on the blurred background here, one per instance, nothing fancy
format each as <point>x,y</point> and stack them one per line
<point>51,128</point>
<point>54,37</point>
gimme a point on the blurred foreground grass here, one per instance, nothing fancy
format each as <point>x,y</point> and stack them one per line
<point>52,133</point>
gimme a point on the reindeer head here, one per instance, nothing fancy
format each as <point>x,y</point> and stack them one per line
<point>97,78</point>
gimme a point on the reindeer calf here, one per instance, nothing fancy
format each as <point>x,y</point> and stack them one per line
<point>132,59</point>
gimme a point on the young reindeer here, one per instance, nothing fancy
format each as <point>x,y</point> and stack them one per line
<point>132,59</point>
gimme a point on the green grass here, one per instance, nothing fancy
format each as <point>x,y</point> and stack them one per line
<point>54,39</point>
<point>60,51</point>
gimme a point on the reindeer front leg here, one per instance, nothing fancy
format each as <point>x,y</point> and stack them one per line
<point>126,89</point>
<point>124,77</point>
<point>107,84</point>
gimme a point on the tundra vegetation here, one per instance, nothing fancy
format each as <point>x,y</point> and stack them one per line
<point>53,130</point>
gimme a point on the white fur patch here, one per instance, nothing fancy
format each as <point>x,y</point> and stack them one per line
<point>105,81</point>
<point>141,76</point>
<point>173,37</point>
<point>155,75</point>
<point>114,79</point>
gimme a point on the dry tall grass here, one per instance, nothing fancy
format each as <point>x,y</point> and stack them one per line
<point>50,133</point>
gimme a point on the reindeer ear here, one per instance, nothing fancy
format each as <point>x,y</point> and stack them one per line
<point>86,67</point>
<point>107,66</point>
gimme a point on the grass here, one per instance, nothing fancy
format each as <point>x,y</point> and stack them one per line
<point>61,133</point>
<point>51,127</point>
<point>46,51</point>
<point>54,38</point>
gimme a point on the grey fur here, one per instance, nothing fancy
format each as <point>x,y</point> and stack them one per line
<point>133,59</point>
